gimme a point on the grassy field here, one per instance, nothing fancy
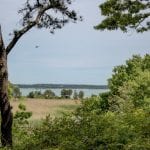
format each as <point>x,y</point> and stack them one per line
<point>42,107</point>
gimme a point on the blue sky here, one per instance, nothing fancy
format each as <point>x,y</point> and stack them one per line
<point>76,54</point>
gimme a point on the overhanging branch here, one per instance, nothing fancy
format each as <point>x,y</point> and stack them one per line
<point>31,19</point>
<point>17,36</point>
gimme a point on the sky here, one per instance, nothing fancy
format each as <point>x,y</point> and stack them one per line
<point>76,54</point>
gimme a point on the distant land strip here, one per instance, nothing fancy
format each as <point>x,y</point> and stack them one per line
<point>61,86</point>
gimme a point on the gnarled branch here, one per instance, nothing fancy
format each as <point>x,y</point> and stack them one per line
<point>38,14</point>
<point>17,36</point>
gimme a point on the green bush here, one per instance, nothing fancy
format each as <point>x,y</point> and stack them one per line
<point>111,121</point>
<point>66,93</point>
<point>21,127</point>
<point>13,91</point>
<point>109,130</point>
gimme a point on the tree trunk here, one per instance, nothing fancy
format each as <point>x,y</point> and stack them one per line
<point>6,114</point>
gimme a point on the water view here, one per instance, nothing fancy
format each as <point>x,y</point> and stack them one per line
<point>87,92</point>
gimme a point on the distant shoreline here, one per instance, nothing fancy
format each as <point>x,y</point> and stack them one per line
<point>61,86</point>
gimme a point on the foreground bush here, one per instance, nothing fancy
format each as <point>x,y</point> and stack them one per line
<point>112,121</point>
<point>93,131</point>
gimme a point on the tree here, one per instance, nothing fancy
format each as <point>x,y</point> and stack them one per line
<point>49,14</point>
<point>66,93</point>
<point>75,95</point>
<point>130,82</point>
<point>49,94</point>
<point>81,95</point>
<point>16,92</point>
<point>31,95</point>
<point>136,91</point>
<point>13,91</point>
<point>129,71</point>
<point>125,15</point>
<point>10,90</point>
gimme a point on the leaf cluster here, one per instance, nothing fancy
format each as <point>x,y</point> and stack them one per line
<point>125,15</point>
<point>50,14</point>
<point>13,91</point>
<point>47,94</point>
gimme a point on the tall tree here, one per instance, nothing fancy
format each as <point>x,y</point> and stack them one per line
<point>81,95</point>
<point>125,15</point>
<point>50,14</point>
<point>66,93</point>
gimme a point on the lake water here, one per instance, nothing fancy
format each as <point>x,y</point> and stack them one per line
<point>87,92</point>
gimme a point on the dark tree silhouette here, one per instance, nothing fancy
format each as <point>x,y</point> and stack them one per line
<point>50,14</point>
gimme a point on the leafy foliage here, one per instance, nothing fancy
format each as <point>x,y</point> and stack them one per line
<point>125,15</point>
<point>49,14</point>
<point>129,71</point>
<point>13,91</point>
<point>129,82</point>
<point>21,127</point>
<point>22,115</point>
<point>47,94</point>
<point>66,93</point>
<point>52,14</point>
<point>78,95</point>
<point>75,95</point>
<point>81,94</point>
<point>92,130</point>
<point>112,120</point>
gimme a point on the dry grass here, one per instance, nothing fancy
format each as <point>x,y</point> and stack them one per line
<point>41,107</point>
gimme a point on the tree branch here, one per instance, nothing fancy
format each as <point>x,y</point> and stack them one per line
<point>18,34</point>
<point>35,15</point>
<point>1,40</point>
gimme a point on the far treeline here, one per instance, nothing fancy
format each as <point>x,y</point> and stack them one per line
<point>49,94</point>
<point>67,91</point>
<point>15,93</point>
<point>62,86</point>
